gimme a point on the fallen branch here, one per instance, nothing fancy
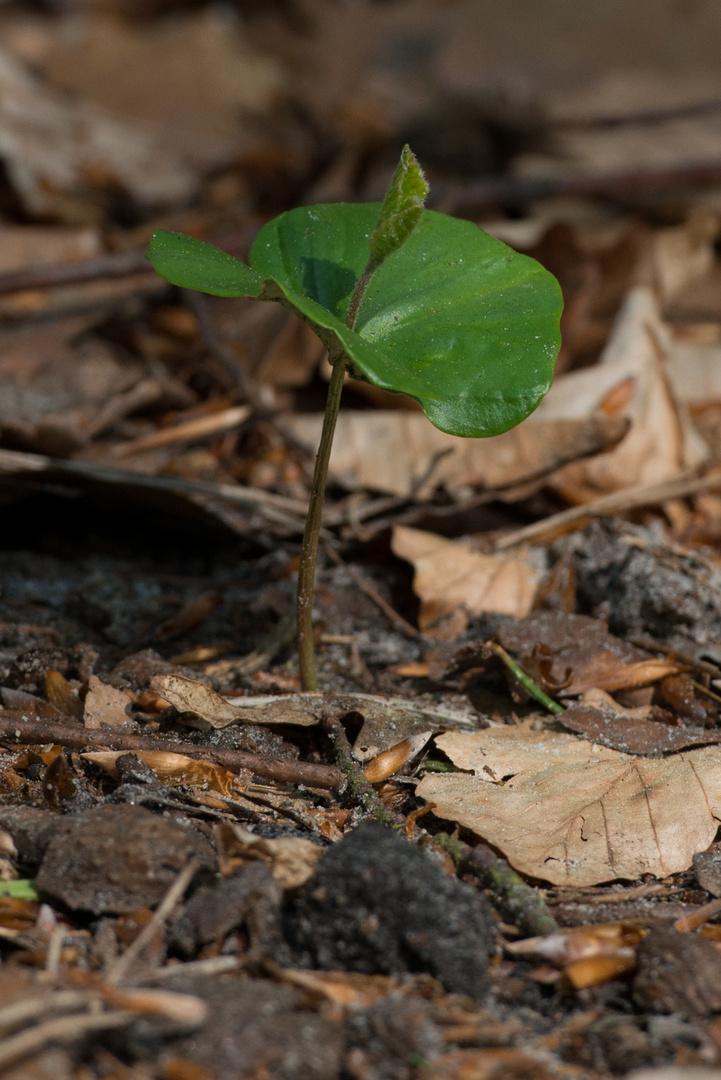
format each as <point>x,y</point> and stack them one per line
<point>277,508</point>
<point>359,789</point>
<point>618,501</point>
<point>14,729</point>
<point>518,902</point>
<point>116,264</point>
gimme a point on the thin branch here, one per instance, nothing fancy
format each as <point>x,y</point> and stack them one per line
<point>627,499</point>
<point>14,729</point>
<point>177,890</point>
<point>372,593</point>
<point>64,1032</point>
<point>117,264</point>
<point>277,508</point>
<point>359,788</point>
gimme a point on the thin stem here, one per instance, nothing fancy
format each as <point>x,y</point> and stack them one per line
<point>524,678</point>
<point>360,288</point>
<point>309,550</point>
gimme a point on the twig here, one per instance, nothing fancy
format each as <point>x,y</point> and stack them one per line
<point>677,654</point>
<point>117,264</point>
<point>214,965</point>
<point>657,115</point>
<point>278,508</point>
<point>191,430</point>
<point>22,1013</point>
<point>524,679</point>
<point>687,923</point>
<point>119,970</point>
<point>372,593</point>
<point>65,1031</point>
<point>232,367</point>
<point>359,789</point>
<point>75,737</point>
<point>627,499</point>
<point>518,902</point>
<point>519,189</point>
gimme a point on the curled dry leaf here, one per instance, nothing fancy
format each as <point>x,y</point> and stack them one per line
<point>172,769</point>
<point>574,813</point>
<point>62,695</point>
<point>455,582</point>
<point>189,696</point>
<point>660,442</point>
<point>292,859</point>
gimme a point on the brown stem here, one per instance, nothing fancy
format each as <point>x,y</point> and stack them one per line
<point>309,550</point>
<point>74,737</point>
<point>361,285</point>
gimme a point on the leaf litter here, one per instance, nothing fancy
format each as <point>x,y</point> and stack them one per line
<point>211,904</point>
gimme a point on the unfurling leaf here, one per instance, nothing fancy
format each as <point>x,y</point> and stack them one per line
<point>402,208</point>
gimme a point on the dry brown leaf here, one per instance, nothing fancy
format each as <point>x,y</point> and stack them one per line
<point>454,582</point>
<point>634,735</point>
<point>105,706</point>
<point>188,695</point>
<point>660,442</point>
<point>53,146</point>
<point>172,769</point>
<point>386,450</point>
<point>193,77</point>
<point>292,859</point>
<point>574,813</point>
<point>385,720</point>
<point>23,246</point>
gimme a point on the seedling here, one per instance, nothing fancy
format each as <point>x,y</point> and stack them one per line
<point>408,299</point>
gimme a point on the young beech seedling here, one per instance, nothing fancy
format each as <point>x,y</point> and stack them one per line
<point>411,300</point>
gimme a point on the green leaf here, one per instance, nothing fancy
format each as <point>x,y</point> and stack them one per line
<point>453,318</point>
<point>21,889</point>
<point>193,264</point>
<point>402,208</point>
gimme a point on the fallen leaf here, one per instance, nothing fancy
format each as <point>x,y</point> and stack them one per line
<point>25,246</point>
<point>189,695</point>
<point>634,736</point>
<point>389,450</point>
<point>660,441</point>
<point>292,859</point>
<point>53,146</point>
<point>578,814</point>
<point>454,582</point>
<point>386,721</point>
<point>105,706</point>
<point>190,80</point>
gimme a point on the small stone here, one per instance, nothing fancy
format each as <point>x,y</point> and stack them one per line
<point>114,859</point>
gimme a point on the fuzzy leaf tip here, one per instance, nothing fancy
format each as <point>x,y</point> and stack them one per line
<point>402,207</point>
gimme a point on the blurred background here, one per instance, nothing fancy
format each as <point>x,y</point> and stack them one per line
<point>587,135</point>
